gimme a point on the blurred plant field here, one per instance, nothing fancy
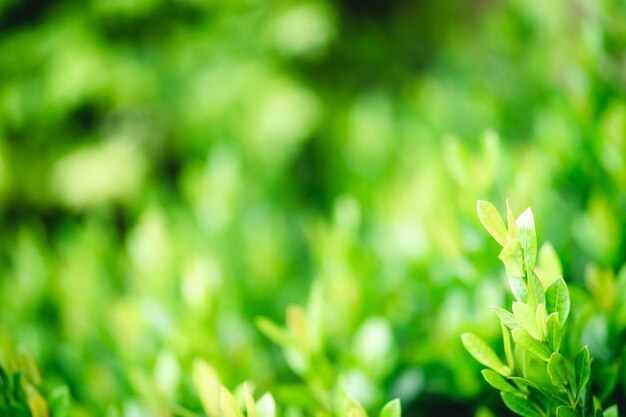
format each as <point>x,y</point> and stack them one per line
<point>284,192</point>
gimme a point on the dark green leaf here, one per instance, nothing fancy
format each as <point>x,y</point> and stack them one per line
<point>566,412</point>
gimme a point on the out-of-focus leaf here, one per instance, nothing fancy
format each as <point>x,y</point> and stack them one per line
<point>563,411</point>
<point>391,409</point>
<point>60,402</point>
<point>229,405</point>
<point>266,406</point>
<point>208,384</point>
<point>549,267</point>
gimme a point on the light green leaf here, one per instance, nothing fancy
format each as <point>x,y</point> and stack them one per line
<point>536,293</point>
<point>266,406</point>
<point>520,404</point>
<point>352,408</point>
<point>527,239</point>
<point>533,346</point>
<point>549,265</point>
<point>229,405</point>
<point>483,353</point>
<point>563,411</point>
<point>275,333</point>
<point>507,318</point>
<point>60,401</point>
<point>542,325</point>
<point>508,347</point>
<point>557,369</point>
<point>512,258</point>
<point>582,369</point>
<point>510,218</point>
<point>557,299</point>
<point>391,409</point>
<point>491,220</point>
<point>36,403</point>
<point>518,288</point>
<point>249,399</point>
<point>208,385</point>
<point>497,381</point>
<point>527,318</point>
<point>555,332</point>
<point>611,411</point>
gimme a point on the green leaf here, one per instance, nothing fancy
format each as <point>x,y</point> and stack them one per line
<point>518,288</point>
<point>266,406</point>
<point>531,345</point>
<point>549,265</point>
<point>563,411</point>
<point>491,220</point>
<point>507,318</point>
<point>520,404</point>
<point>60,401</point>
<point>508,347</point>
<point>249,400</point>
<point>391,409</point>
<point>229,405</point>
<point>512,258</point>
<point>275,333</point>
<point>208,385</point>
<point>510,219</point>
<point>497,381</point>
<point>557,299</point>
<point>582,369</point>
<point>351,408</point>
<point>536,293</point>
<point>611,411</point>
<point>527,239</point>
<point>557,369</point>
<point>541,319</point>
<point>527,318</point>
<point>555,332</point>
<point>483,353</point>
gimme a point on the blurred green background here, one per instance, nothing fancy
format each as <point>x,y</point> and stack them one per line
<point>172,170</point>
